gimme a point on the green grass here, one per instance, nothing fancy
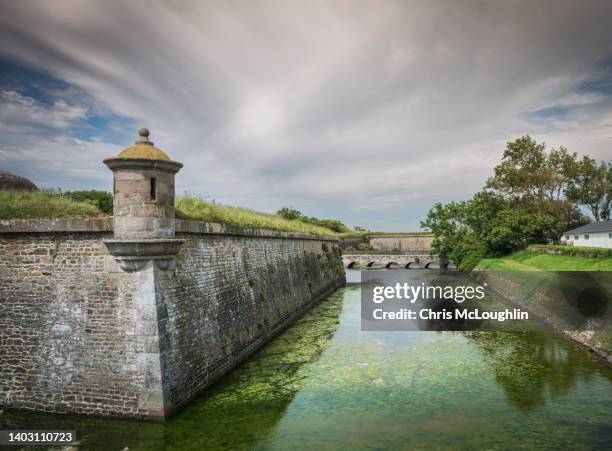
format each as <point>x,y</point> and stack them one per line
<point>41,205</point>
<point>191,207</point>
<point>533,261</point>
<point>593,252</point>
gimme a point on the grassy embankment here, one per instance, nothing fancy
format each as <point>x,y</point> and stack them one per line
<point>547,280</point>
<point>38,205</point>
<point>551,258</point>
<point>42,205</point>
<point>197,210</point>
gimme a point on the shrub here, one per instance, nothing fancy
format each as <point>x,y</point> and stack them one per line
<point>291,214</point>
<point>364,246</point>
<point>472,259</point>
<point>102,200</point>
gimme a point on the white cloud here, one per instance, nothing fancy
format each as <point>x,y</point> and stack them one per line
<point>21,114</point>
<point>332,107</point>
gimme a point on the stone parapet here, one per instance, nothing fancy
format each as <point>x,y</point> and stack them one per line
<point>214,228</point>
<point>56,225</point>
<point>181,225</point>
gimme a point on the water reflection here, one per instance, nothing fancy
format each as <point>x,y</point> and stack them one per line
<point>325,384</point>
<point>237,412</point>
<point>531,367</point>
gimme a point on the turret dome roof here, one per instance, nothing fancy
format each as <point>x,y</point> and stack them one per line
<point>143,149</point>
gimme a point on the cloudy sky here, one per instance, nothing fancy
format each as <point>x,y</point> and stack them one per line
<point>368,112</point>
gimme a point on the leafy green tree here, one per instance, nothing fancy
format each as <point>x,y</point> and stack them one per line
<point>535,181</point>
<point>289,213</point>
<point>591,186</point>
<point>530,175</point>
<point>524,202</point>
<point>513,229</point>
<point>454,238</point>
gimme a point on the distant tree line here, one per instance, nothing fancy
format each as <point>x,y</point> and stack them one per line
<point>533,197</point>
<point>292,214</point>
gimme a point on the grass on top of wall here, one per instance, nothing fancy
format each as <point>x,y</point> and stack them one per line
<point>42,205</point>
<point>196,209</point>
<point>534,261</point>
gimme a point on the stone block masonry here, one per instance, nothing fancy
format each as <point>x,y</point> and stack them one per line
<point>134,316</point>
<point>78,334</point>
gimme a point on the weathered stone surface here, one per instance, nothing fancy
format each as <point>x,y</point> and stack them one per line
<point>79,335</point>
<point>64,323</point>
<point>415,261</point>
<point>402,243</point>
<point>143,205</point>
<point>229,295</point>
<point>56,225</point>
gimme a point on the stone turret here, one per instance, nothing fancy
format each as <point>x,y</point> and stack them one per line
<point>143,208</point>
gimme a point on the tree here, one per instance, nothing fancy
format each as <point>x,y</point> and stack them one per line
<point>289,213</point>
<point>591,186</point>
<point>513,230</point>
<point>525,201</point>
<point>527,173</point>
<point>453,236</point>
<point>536,182</point>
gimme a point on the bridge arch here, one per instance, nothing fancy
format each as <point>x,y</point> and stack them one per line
<point>371,264</point>
<point>392,265</point>
<point>412,265</point>
<point>451,265</point>
<point>353,265</point>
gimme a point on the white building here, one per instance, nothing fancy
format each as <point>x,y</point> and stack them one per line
<point>596,234</point>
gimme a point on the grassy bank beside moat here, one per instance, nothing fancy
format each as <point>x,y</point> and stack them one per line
<point>569,292</point>
<point>529,260</point>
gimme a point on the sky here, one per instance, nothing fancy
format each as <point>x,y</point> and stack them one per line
<point>363,111</point>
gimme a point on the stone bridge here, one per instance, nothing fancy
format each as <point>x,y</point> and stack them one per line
<point>395,261</point>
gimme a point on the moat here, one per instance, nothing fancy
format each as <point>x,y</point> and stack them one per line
<point>325,384</point>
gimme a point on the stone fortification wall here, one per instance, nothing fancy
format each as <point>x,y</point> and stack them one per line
<point>78,334</point>
<point>408,244</point>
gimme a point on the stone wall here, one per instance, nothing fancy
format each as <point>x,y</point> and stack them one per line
<point>408,244</point>
<point>79,335</point>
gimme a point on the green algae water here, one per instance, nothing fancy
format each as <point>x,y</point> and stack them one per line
<point>324,384</point>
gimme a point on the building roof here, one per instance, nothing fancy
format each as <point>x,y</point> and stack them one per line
<point>143,149</point>
<point>599,226</point>
<point>10,181</point>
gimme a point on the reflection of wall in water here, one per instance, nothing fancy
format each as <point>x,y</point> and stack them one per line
<point>255,395</point>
